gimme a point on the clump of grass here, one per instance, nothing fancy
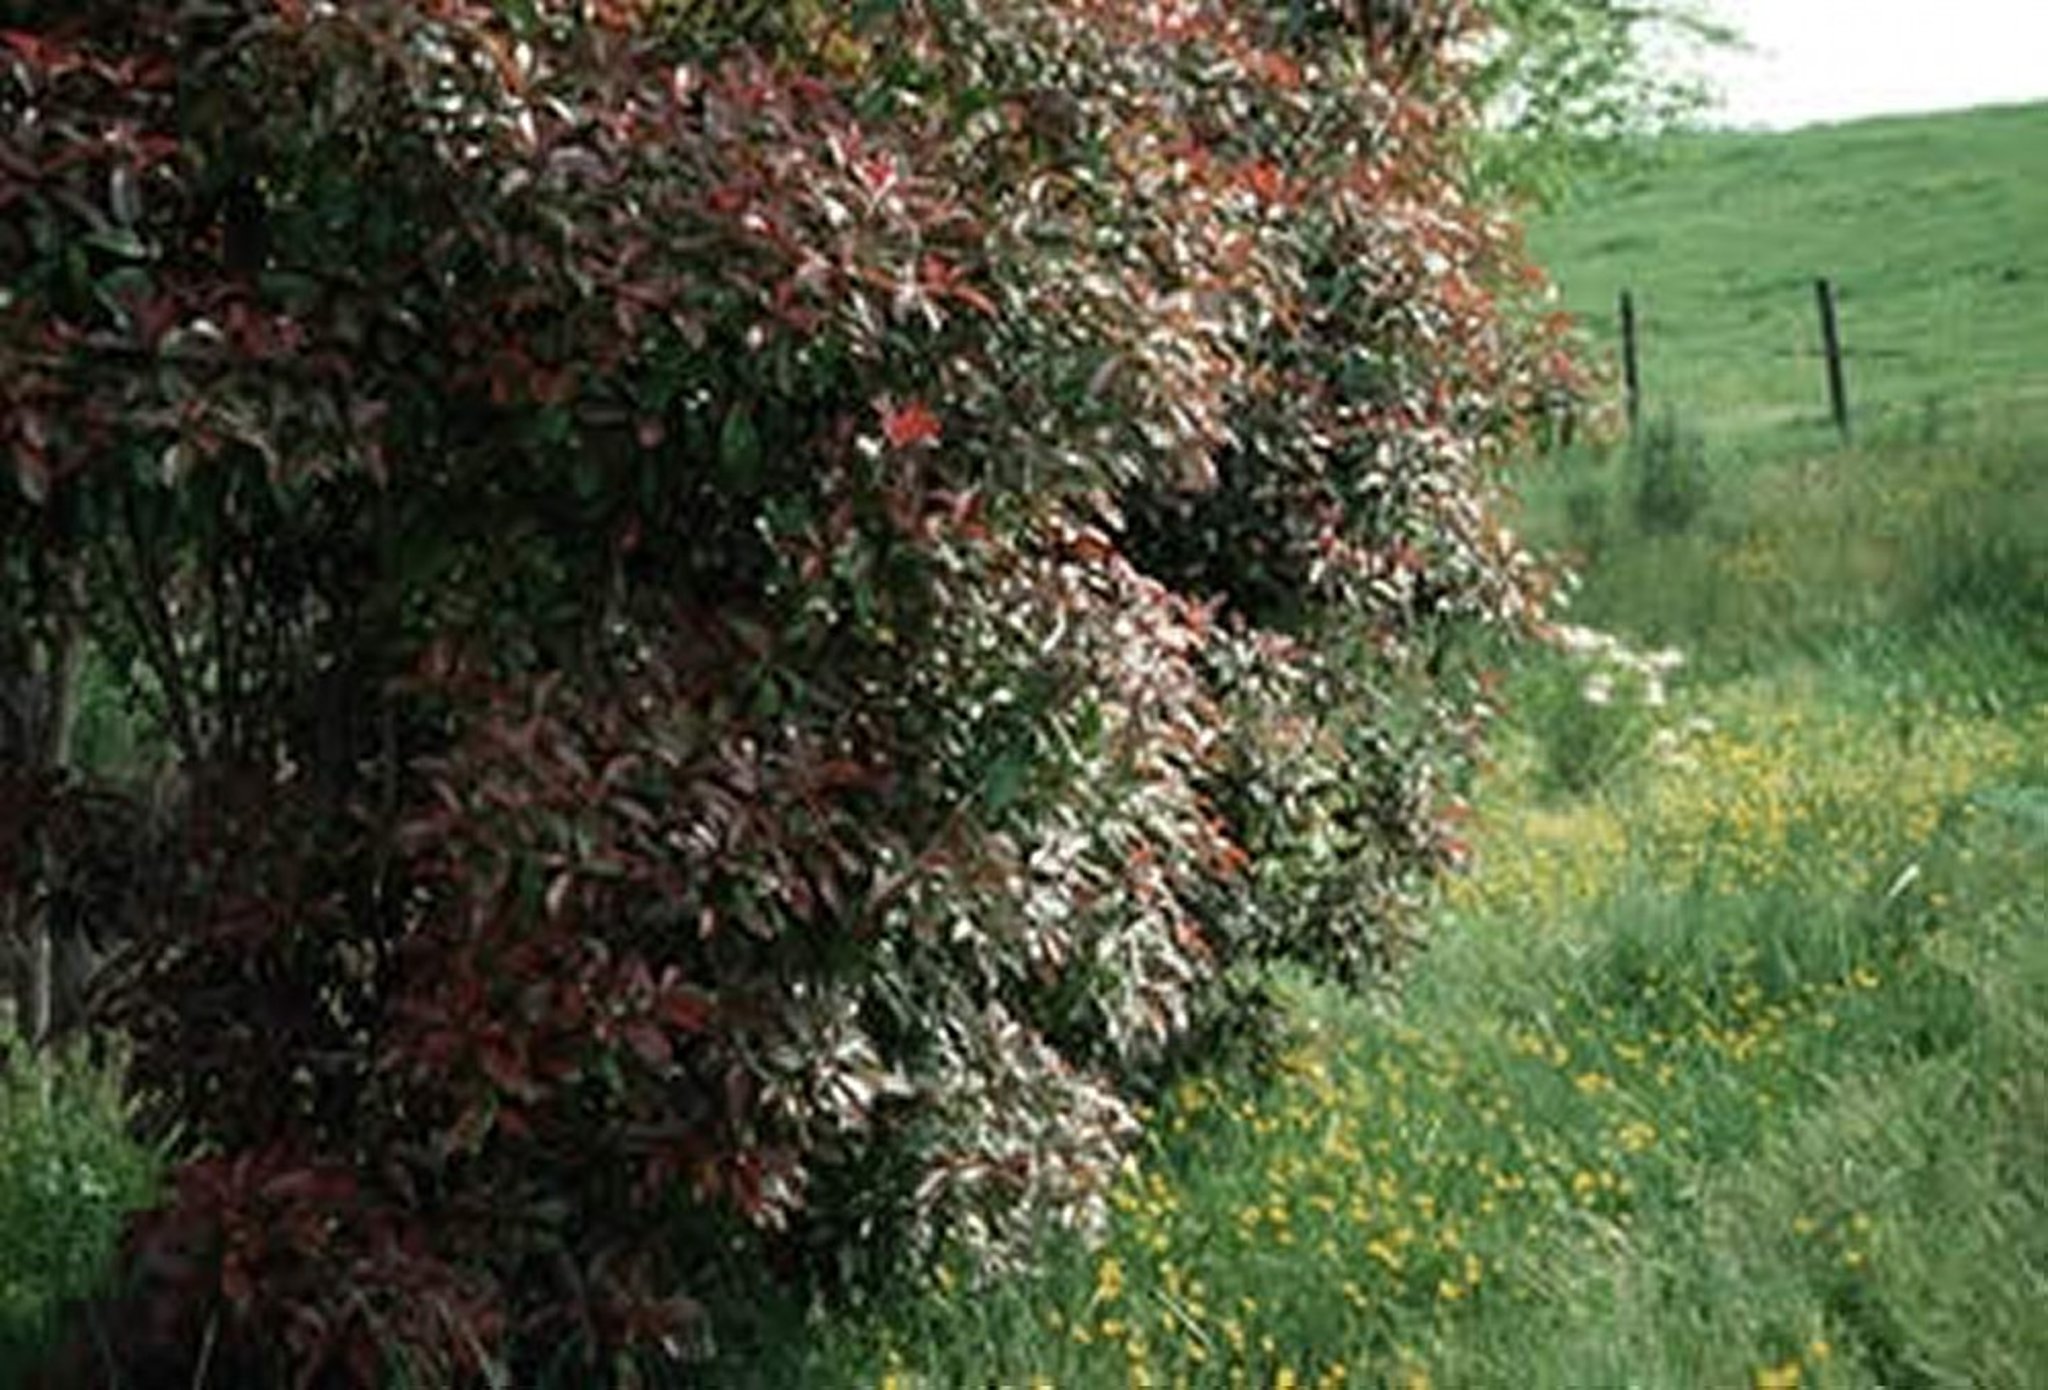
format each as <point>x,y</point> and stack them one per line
<point>1937,552</point>
<point>1588,520</point>
<point>1603,707</point>
<point>69,1175</point>
<point>1672,481</point>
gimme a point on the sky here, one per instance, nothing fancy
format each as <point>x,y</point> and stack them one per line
<point>1830,60</point>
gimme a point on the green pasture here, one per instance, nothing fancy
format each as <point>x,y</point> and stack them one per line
<point>1935,229</point>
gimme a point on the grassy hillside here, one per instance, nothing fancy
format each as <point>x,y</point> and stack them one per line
<point>1935,229</point>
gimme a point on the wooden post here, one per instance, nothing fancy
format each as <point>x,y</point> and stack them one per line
<point>1831,343</point>
<point>1631,365</point>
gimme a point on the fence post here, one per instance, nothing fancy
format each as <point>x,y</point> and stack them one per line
<point>1831,343</point>
<point>1631,365</point>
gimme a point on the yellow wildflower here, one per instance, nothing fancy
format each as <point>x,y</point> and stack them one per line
<point>1785,1377</point>
<point>1637,1135</point>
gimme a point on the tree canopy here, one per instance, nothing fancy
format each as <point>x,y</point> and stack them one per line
<point>1572,86</point>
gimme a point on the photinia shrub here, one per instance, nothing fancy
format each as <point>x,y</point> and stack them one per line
<point>750,615</point>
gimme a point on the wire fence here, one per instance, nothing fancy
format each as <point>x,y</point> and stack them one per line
<point>1832,354</point>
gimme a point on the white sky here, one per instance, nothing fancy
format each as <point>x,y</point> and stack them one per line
<point>1827,60</point>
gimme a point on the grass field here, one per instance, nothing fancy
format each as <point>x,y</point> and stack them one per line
<point>1729,1063</point>
<point>1931,226</point>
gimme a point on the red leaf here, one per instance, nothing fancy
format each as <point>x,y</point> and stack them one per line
<point>154,317</point>
<point>685,1010</point>
<point>467,1134</point>
<point>907,426</point>
<point>1265,181</point>
<point>650,1043</point>
<point>235,1285</point>
<point>877,174</point>
<point>52,58</point>
<point>505,1068</point>
<point>943,280</point>
<point>311,1185</point>
<point>32,474</point>
<point>975,299</point>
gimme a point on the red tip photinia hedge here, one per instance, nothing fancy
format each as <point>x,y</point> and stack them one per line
<point>744,625</point>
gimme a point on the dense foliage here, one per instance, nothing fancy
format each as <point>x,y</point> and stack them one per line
<point>750,616</point>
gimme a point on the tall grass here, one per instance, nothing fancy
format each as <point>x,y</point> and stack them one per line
<point>1901,556</point>
<point>69,1174</point>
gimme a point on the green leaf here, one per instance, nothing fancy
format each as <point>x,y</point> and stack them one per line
<point>128,282</point>
<point>32,477</point>
<point>522,15</point>
<point>291,289</point>
<point>1004,784</point>
<point>739,448</point>
<point>119,241</point>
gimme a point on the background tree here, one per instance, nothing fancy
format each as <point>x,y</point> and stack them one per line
<point>1572,86</point>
